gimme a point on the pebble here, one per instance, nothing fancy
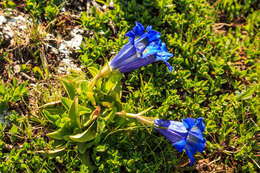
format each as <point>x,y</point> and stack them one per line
<point>2,20</point>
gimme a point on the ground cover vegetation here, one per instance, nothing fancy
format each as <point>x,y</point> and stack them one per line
<point>215,76</point>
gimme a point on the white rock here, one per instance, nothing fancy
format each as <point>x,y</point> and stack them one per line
<point>21,18</point>
<point>75,42</point>
<point>66,61</point>
<point>8,33</point>
<point>17,68</point>
<point>2,20</point>
<point>62,10</point>
<point>22,27</point>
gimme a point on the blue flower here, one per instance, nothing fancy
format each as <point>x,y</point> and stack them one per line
<point>186,135</point>
<point>142,49</point>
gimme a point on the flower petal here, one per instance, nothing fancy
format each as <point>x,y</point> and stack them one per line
<point>169,66</point>
<point>138,29</point>
<point>162,123</point>
<point>125,53</point>
<point>131,36</point>
<point>174,131</point>
<point>135,64</point>
<point>180,145</point>
<point>141,43</point>
<point>188,123</point>
<point>200,124</point>
<point>153,35</point>
<point>189,152</point>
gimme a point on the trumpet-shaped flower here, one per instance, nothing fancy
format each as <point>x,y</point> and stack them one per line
<point>142,49</point>
<point>186,135</point>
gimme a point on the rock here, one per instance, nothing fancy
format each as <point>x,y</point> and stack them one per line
<point>17,68</point>
<point>2,20</point>
<point>66,65</point>
<point>75,42</point>
<point>66,47</point>
<point>8,33</point>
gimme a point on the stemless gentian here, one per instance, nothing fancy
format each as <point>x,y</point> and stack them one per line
<point>186,135</point>
<point>143,48</point>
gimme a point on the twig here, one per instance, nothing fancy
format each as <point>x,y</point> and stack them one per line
<point>214,160</point>
<point>254,162</point>
<point>28,77</point>
<point>112,25</point>
<point>50,104</point>
<point>99,8</point>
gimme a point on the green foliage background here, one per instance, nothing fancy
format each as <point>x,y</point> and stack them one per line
<point>215,76</point>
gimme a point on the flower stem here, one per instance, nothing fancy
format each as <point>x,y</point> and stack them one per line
<point>102,73</point>
<point>139,117</point>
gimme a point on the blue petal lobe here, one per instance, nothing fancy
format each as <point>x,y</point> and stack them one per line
<point>180,145</point>
<point>188,123</point>
<point>169,66</point>
<point>188,151</point>
<point>200,124</point>
<point>138,29</point>
<point>148,28</point>
<point>153,35</point>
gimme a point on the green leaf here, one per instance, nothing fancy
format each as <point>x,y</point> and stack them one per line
<point>20,91</point>
<point>53,153</point>
<point>101,148</point>
<point>100,1</point>
<point>74,114</point>
<point>82,147</point>
<point>85,158</point>
<point>91,97</point>
<point>50,117</point>
<point>66,102</point>
<point>93,71</point>
<point>61,133</point>
<point>14,130</point>
<point>115,76</point>
<point>112,81</point>
<point>100,125</point>
<point>86,136</point>
<point>246,94</point>
<point>39,71</point>
<point>109,85</point>
<point>84,110</point>
<point>56,151</point>
<point>70,88</point>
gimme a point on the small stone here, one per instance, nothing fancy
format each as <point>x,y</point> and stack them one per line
<point>54,50</point>
<point>76,41</point>
<point>7,30</point>
<point>17,68</point>
<point>2,20</point>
